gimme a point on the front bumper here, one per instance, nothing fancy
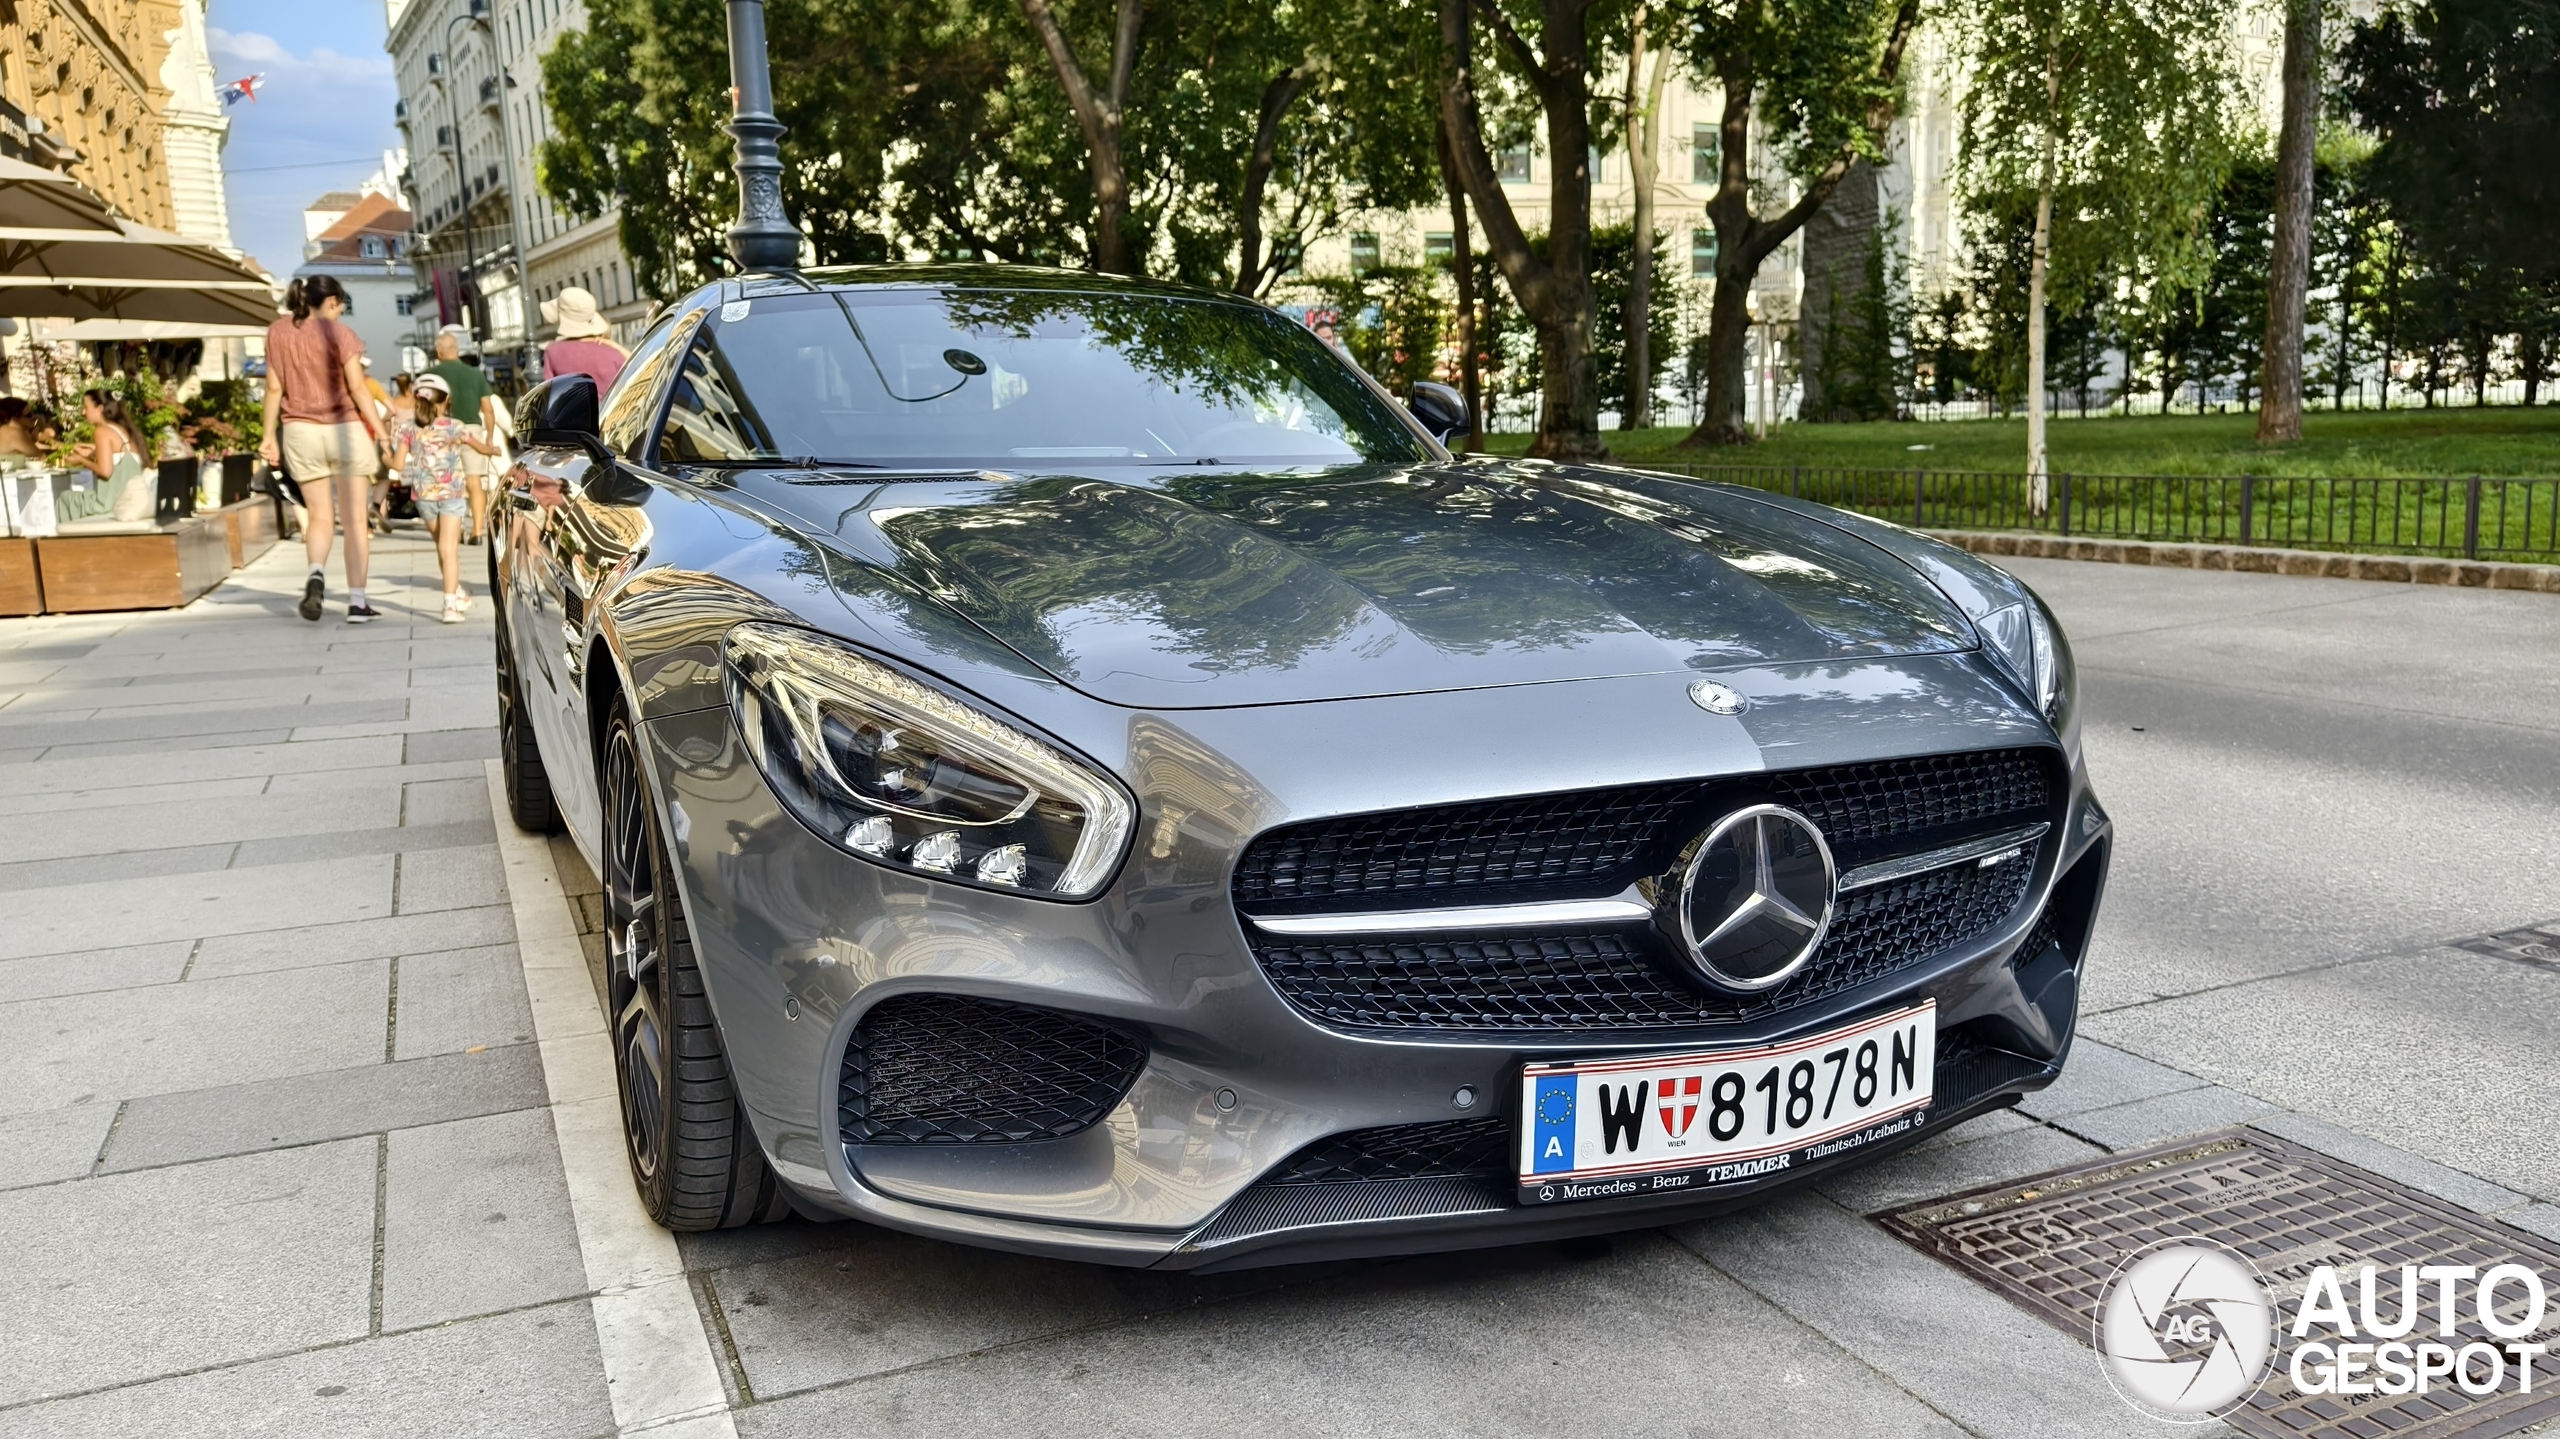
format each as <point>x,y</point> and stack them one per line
<point>799,941</point>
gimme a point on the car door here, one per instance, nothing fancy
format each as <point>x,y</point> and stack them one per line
<point>573,521</point>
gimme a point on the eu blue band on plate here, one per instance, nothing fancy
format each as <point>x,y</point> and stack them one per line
<point>1552,1121</point>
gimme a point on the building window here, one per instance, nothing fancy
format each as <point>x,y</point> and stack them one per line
<point>1437,246</point>
<point>1365,254</point>
<point>404,304</point>
<point>1706,155</point>
<point>372,248</point>
<point>1511,167</point>
<point>1702,250</point>
<point>351,305</point>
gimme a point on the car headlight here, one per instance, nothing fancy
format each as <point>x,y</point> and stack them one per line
<point>907,776</point>
<point>2022,639</point>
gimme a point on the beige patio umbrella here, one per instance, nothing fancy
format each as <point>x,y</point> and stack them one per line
<point>132,272</point>
<point>34,198</point>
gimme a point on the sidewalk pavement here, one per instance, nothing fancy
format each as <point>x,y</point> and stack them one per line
<point>274,1151</point>
<point>279,1154</point>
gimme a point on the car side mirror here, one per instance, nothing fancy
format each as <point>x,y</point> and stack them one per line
<point>1442,411</point>
<point>561,411</point>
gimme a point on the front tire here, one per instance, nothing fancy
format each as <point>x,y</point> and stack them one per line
<point>528,785</point>
<point>693,1157</point>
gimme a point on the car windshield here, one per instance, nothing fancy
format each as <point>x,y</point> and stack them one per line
<point>1000,378</point>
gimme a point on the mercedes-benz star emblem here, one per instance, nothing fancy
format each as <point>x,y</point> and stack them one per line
<point>1717,699</point>
<point>1756,897</point>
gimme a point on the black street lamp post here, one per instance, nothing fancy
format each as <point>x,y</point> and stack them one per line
<point>764,237</point>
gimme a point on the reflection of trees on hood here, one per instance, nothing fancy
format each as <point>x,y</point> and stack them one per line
<point>1067,551</point>
<point>1258,571</point>
<point>1231,354</point>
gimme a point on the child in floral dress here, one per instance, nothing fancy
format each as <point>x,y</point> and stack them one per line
<point>427,448</point>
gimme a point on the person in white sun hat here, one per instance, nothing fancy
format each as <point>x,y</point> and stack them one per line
<point>585,346</point>
<point>429,449</point>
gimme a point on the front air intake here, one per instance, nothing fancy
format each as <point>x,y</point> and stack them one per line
<point>952,1069</point>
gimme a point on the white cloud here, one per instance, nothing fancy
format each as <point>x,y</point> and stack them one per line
<point>250,50</point>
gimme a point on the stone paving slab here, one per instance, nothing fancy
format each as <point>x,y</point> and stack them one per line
<point>461,999</point>
<point>52,1144</point>
<point>528,1375</point>
<point>175,1037</point>
<point>1500,1342</point>
<point>132,1275</point>
<point>301,1109</point>
<point>306,945</point>
<point>193,765</point>
<point>476,1220</point>
<point>103,830</point>
<point>1971,1355</point>
<point>90,971</point>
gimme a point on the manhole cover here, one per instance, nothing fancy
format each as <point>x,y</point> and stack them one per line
<point>2051,1243</point>
<point>2533,946</point>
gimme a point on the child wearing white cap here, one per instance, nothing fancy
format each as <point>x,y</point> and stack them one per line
<point>428,450</point>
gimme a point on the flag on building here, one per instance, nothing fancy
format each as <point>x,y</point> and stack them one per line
<point>244,88</point>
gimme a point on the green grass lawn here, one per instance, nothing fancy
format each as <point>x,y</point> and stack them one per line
<point>2454,442</point>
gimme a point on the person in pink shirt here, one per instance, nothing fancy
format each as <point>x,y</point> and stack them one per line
<point>585,346</point>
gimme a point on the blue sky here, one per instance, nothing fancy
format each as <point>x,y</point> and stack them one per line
<point>320,122</point>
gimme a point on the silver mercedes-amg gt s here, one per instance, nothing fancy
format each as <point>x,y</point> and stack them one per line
<point>1076,767</point>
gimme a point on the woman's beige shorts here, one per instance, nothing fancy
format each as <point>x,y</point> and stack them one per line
<point>318,452</point>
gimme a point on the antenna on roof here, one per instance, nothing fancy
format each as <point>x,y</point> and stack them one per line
<point>764,237</point>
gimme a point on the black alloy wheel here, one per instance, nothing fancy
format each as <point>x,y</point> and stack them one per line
<point>693,1157</point>
<point>529,800</point>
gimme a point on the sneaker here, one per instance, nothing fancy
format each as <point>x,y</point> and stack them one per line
<point>309,609</point>
<point>462,602</point>
<point>453,609</point>
<point>362,614</point>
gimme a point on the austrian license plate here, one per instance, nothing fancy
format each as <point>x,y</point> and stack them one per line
<point>1611,1128</point>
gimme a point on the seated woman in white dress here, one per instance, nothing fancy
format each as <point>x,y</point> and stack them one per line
<point>114,454</point>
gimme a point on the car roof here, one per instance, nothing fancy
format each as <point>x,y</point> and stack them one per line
<point>944,275</point>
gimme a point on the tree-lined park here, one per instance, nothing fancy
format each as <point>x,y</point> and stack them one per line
<point>2349,284</point>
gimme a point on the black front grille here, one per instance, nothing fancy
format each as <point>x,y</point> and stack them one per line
<point>1597,840</point>
<point>1545,840</point>
<point>1857,805</point>
<point>1619,979</point>
<point>950,1069</point>
<point>1447,1149</point>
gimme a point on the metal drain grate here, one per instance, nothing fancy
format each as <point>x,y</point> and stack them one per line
<point>2050,1244</point>
<point>2539,947</point>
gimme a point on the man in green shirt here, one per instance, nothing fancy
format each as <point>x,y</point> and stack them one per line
<point>475,404</point>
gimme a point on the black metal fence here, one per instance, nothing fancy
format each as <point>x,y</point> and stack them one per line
<point>2473,518</point>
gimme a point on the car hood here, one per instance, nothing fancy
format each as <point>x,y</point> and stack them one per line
<point>1212,589</point>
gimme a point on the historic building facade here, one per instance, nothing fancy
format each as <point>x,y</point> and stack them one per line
<point>82,81</point>
<point>490,246</point>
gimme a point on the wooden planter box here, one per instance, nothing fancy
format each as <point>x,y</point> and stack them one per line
<point>161,567</point>
<point>20,591</point>
<point>249,524</point>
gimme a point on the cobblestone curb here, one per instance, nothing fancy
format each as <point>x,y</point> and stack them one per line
<point>2405,569</point>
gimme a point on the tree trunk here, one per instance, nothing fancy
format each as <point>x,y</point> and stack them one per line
<point>1644,149</point>
<point>1099,115</point>
<point>1744,240</point>
<point>1554,290</point>
<point>1835,248</point>
<point>1728,360</point>
<point>2036,266</point>
<point>1252,274</point>
<point>1462,265</point>
<point>2289,266</point>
